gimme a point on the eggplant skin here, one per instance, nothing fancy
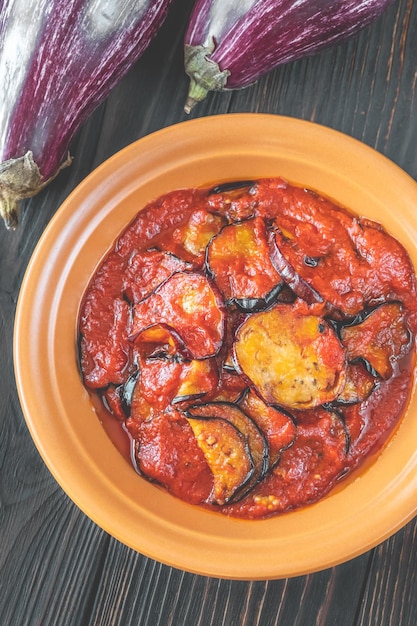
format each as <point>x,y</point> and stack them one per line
<point>59,59</point>
<point>229,44</point>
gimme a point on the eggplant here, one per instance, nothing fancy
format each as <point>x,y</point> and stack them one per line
<point>229,44</point>
<point>238,259</point>
<point>227,454</point>
<point>301,288</point>
<point>380,340</point>
<point>58,61</point>
<point>255,438</point>
<point>193,236</point>
<point>278,425</point>
<point>292,357</point>
<point>146,270</point>
<point>198,378</point>
<point>360,383</point>
<point>164,450</point>
<point>190,304</point>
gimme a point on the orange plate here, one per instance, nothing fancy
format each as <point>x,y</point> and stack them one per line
<point>63,424</point>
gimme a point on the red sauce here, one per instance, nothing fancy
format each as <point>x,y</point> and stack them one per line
<point>198,272</point>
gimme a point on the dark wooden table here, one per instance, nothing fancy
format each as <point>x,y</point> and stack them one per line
<point>56,566</point>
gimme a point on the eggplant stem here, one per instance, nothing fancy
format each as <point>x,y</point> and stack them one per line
<point>9,211</point>
<point>205,75</point>
<point>196,93</point>
<point>20,178</point>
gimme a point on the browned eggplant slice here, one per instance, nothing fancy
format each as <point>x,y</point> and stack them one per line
<point>359,385</point>
<point>288,272</point>
<point>256,440</point>
<point>291,356</point>
<point>113,401</point>
<point>190,304</point>
<point>369,426</point>
<point>324,434</point>
<point>238,258</point>
<point>231,387</point>
<point>380,339</point>
<point>191,239</point>
<point>306,471</point>
<point>165,451</point>
<point>201,227</point>
<point>350,262</point>
<point>147,269</point>
<point>279,428</point>
<point>159,340</point>
<point>104,345</point>
<point>158,382</point>
<point>227,454</point>
<point>165,381</point>
<point>198,378</point>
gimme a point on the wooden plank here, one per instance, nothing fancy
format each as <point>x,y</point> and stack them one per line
<point>391,587</point>
<point>128,593</point>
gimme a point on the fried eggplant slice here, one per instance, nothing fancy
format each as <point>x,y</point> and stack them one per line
<point>350,262</point>
<point>359,385</point>
<point>165,450</point>
<point>233,200</point>
<point>292,356</point>
<point>198,378</point>
<point>158,381</point>
<point>104,345</point>
<point>231,387</point>
<point>370,427</point>
<point>190,304</point>
<point>256,441</point>
<point>306,471</point>
<point>278,426</point>
<point>289,274</point>
<point>113,401</point>
<point>381,339</point>
<point>227,454</point>
<point>159,340</point>
<point>238,258</point>
<point>190,240</point>
<point>165,381</point>
<point>146,270</point>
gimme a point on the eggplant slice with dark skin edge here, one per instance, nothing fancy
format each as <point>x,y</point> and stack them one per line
<point>190,303</point>
<point>277,424</point>
<point>256,440</point>
<point>239,261</point>
<point>227,453</point>
<point>360,383</point>
<point>231,186</point>
<point>380,338</point>
<point>292,357</point>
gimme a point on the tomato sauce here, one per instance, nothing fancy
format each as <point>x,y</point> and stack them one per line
<point>248,346</point>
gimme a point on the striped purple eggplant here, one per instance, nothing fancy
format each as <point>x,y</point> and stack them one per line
<point>229,44</point>
<point>59,59</point>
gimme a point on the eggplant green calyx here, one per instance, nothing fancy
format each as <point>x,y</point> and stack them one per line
<point>20,178</point>
<point>205,75</point>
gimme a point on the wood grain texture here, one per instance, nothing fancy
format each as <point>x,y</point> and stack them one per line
<point>57,568</point>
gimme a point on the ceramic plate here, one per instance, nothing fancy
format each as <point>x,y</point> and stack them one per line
<point>368,509</point>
